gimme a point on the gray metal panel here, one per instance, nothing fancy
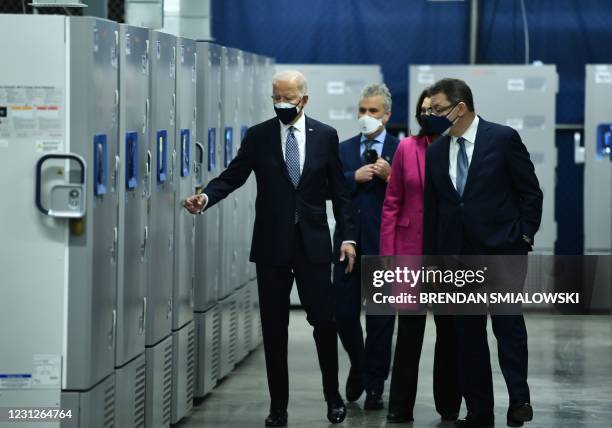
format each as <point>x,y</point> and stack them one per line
<point>208,337</point>
<point>161,201</point>
<point>598,169</point>
<point>183,371</point>
<point>92,264</point>
<point>159,384</point>
<point>130,393</point>
<point>133,229</point>
<point>67,327</point>
<point>519,96</point>
<point>229,141</point>
<point>184,223</point>
<point>256,330</point>
<point>597,179</point>
<point>94,408</point>
<point>334,92</point>
<point>207,254</point>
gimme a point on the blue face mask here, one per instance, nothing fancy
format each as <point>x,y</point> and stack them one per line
<point>439,125</point>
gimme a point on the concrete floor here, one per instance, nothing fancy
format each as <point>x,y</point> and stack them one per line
<point>570,375</point>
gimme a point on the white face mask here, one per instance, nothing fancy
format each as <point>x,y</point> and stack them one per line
<point>368,124</point>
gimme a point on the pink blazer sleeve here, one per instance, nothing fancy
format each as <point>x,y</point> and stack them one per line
<point>394,197</point>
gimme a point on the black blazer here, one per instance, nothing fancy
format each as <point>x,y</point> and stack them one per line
<point>367,198</point>
<point>501,201</point>
<point>277,199</point>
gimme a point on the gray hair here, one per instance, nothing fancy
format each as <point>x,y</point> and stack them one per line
<point>291,75</point>
<point>375,89</point>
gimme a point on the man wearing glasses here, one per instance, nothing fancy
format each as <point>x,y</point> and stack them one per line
<point>296,162</point>
<point>482,197</point>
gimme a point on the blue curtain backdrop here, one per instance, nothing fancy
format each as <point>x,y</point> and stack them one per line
<point>392,33</point>
<point>396,33</point>
<point>568,33</point>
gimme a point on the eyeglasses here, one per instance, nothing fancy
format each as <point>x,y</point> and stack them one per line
<point>440,110</point>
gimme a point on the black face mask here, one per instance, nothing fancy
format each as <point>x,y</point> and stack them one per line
<point>424,122</point>
<point>287,112</point>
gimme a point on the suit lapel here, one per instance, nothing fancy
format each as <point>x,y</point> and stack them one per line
<point>419,153</point>
<point>278,148</point>
<point>389,147</point>
<point>449,182</point>
<point>479,148</point>
<point>310,141</point>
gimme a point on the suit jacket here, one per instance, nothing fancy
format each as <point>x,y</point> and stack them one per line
<point>501,202</point>
<point>367,198</point>
<point>277,199</point>
<point>401,231</point>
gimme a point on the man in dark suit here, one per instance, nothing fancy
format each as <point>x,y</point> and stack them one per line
<point>481,197</point>
<point>366,160</point>
<point>296,164</point>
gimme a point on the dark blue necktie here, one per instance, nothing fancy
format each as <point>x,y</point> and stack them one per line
<point>292,157</point>
<point>462,166</point>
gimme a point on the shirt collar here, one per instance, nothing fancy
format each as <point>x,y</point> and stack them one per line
<point>470,134</point>
<point>380,138</point>
<point>300,125</point>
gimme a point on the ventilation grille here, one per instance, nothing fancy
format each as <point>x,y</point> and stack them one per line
<point>167,391</point>
<point>139,396</point>
<point>190,366</point>
<point>248,321</point>
<point>215,366</point>
<point>109,406</point>
<point>233,329</point>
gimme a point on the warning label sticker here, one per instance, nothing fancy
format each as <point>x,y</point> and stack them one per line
<point>31,111</point>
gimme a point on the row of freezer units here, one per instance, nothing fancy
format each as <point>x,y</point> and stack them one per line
<point>123,305</point>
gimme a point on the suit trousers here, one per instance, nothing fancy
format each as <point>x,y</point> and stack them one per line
<point>315,290</point>
<point>404,379</point>
<point>372,359</point>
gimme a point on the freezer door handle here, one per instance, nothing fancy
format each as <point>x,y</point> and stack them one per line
<point>111,334</point>
<point>149,175</point>
<point>198,166</point>
<point>68,200</point>
<point>143,316</point>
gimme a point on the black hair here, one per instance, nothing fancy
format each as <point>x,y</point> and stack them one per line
<point>456,91</point>
<point>417,112</point>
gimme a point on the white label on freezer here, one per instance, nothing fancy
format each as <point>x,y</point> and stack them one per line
<point>49,146</point>
<point>46,370</point>
<point>3,144</point>
<point>15,380</point>
<point>426,78</point>
<point>516,84</point>
<point>425,68</point>
<point>603,77</point>
<point>335,88</point>
<point>516,123</point>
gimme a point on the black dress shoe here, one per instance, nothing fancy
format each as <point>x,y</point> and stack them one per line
<point>519,413</point>
<point>277,418</point>
<point>336,410</point>
<point>472,421</point>
<point>354,385</point>
<point>373,401</point>
<point>398,417</point>
<point>449,417</point>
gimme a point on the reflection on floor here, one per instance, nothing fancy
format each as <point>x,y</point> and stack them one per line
<point>570,375</point>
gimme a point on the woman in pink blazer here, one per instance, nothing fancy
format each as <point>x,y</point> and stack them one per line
<point>401,233</point>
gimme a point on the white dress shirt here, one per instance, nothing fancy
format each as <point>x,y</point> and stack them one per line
<point>299,131</point>
<point>470,140</point>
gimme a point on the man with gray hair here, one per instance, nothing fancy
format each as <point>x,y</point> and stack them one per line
<point>366,160</point>
<point>296,163</point>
